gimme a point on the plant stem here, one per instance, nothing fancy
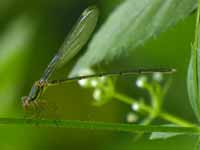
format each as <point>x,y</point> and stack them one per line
<point>124,98</point>
<point>97,125</point>
<point>175,120</point>
<point>147,109</point>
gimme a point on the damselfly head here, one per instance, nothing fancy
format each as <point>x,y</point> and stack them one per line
<point>34,94</point>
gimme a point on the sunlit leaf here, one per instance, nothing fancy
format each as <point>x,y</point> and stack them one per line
<point>161,135</point>
<point>130,25</point>
<point>193,86</point>
<point>193,80</point>
<point>164,135</point>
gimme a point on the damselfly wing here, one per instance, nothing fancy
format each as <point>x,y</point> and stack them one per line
<point>73,43</point>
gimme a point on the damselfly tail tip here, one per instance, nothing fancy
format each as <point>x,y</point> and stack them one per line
<point>169,71</point>
<point>165,70</point>
<point>173,70</point>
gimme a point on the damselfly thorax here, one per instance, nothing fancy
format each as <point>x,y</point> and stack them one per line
<point>36,91</point>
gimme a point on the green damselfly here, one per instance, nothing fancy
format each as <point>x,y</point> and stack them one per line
<point>77,38</point>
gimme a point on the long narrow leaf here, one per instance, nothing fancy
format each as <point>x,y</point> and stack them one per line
<point>193,80</point>
<point>98,125</point>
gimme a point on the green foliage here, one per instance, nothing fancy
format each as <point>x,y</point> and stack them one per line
<point>155,88</point>
<point>162,135</point>
<point>97,125</point>
<point>193,80</point>
<point>130,25</point>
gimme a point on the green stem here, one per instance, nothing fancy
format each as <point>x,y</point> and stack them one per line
<point>97,125</point>
<point>124,98</point>
<point>147,109</point>
<point>175,120</point>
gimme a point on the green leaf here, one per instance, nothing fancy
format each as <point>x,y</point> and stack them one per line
<point>130,25</point>
<point>193,79</point>
<point>192,86</point>
<point>98,125</point>
<point>164,135</point>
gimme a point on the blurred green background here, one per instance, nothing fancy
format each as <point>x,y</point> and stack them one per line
<point>30,34</point>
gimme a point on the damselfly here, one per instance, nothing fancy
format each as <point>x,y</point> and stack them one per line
<point>77,38</point>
